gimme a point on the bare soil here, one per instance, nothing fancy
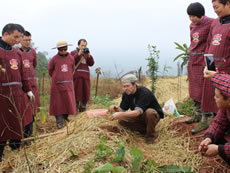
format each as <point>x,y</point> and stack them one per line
<point>209,165</point>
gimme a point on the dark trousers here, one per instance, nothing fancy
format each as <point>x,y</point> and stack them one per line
<point>28,129</point>
<point>14,144</point>
<point>145,123</point>
<point>61,118</point>
<point>81,106</point>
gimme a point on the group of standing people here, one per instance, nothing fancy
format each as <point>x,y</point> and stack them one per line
<point>18,89</point>
<point>19,97</point>
<point>210,36</point>
<point>70,87</point>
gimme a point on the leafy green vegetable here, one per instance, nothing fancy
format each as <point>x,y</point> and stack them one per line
<point>103,150</point>
<point>137,158</point>
<point>120,153</point>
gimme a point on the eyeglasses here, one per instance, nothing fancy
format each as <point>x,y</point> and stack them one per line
<point>27,40</point>
<point>62,49</point>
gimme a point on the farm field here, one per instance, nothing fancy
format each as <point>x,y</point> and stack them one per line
<point>75,148</point>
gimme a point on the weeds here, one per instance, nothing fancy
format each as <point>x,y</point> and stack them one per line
<point>186,108</point>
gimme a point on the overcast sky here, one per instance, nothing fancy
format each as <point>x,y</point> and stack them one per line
<point>118,31</point>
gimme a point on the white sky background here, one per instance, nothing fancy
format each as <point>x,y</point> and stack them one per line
<point>118,31</point>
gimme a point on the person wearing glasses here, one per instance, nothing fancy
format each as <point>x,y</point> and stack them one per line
<point>30,62</point>
<point>13,84</point>
<point>145,111</point>
<point>83,59</point>
<point>62,100</point>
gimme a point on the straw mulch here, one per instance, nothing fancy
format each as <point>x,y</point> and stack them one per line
<point>53,154</point>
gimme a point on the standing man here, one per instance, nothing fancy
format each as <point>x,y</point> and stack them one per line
<point>219,46</point>
<point>199,30</point>
<point>145,110</point>
<point>62,100</point>
<point>217,137</point>
<point>30,62</point>
<point>81,75</point>
<point>13,83</point>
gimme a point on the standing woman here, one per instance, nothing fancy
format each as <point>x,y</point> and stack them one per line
<point>62,100</point>
<point>199,30</point>
<point>219,46</point>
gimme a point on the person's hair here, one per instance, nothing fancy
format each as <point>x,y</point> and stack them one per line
<point>79,42</point>
<point>196,9</point>
<point>224,2</point>
<point>27,33</point>
<point>11,27</point>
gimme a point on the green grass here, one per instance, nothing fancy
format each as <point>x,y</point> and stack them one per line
<point>186,108</point>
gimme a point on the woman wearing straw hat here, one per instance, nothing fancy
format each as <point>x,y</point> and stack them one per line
<point>62,100</point>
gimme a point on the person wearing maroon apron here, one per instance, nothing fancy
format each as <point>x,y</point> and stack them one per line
<point>13,84</point>
<point>83,60</point>
<point>219,46</point>
<point>199,31</point>
<point>217,136</point>
<point>62,100</point>
<point>30,62</point>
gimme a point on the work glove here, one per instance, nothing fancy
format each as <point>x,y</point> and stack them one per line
<point>31,96</point>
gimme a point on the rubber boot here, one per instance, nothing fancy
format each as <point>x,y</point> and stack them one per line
<point>59,121</point>
<point>195,118</point>
<point>203,124</point>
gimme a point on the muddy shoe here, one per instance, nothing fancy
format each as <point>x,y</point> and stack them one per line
<point>194,119</point>
<point>201,126</point>
<point>149,140</point>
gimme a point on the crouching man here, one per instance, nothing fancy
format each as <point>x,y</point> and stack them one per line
<point>145,110</point>
<point>217,136</point>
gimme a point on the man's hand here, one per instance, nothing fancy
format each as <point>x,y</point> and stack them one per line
<point>31,96</point>
<point>116,116</point>
<point>80,52</point>
<point>204,145</point>
<point>113,108</point>
<point>211,151</point>
<point>209,74</point>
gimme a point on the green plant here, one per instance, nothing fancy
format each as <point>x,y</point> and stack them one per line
<point>103,100</point>
<point>103,150</point>
<point>120,153</point>
<point>107,168</point>
<point>186,108</point>
<point>184,55</point>
<point>153,65</point>
<point>88,166</point>
<point>137,158</point>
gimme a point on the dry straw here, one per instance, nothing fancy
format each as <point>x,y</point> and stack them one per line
<point>52,154</point>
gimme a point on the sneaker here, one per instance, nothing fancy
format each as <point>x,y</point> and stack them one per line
<point>149,140</point>
<point>194,119</point>
<point>201,126</point>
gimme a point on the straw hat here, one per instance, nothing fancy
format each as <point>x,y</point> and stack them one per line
<point>62,43</point>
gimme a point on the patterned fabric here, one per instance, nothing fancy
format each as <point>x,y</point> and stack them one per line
<point>219,46</point>
<point>222,82</point>
<point>217,130</point>
<point>198,37</point>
